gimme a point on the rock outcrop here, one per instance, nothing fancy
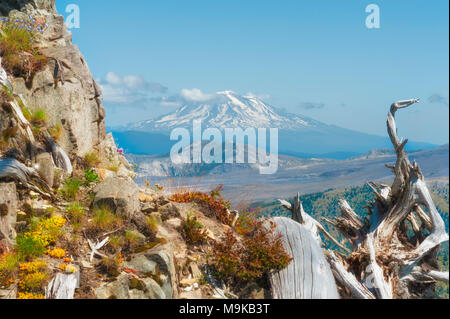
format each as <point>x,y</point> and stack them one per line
<point>8,212</point>
<point>121,194</point>
<point>65,88</point>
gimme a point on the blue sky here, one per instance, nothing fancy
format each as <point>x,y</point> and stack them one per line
<point>315,58</point>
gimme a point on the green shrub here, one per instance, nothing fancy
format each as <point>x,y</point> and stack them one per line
<point>132,238</point>
<point>6,94</point>
<point>29,247</point>
<point>152,224</point>
<point>193,231</point>
<point>116,241</point>
<point>39,118</point>
<point>104,218</point>
<point>76,212</point>
<point>70,188</point>
<point>19,55</point>
<point>112,265</point>
<point>8,267</point>
<point>91,176</point>
<point>26,113</point>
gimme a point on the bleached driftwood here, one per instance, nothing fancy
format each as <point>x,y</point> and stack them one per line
<point>10,168</point>
<point>63,286</point>
<point>95,247</point>
<point>348,279</point>
<point>300,216</point>
<point>383,288</point>
<point>235,215</point>
<point>385,262</point>
<point>60,157</point>
<point>24,124</point>
<point>308,275</point>
<point>3,76</point>
<point>392,264</point>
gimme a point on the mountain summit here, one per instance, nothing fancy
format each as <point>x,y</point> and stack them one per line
<point>297,135</point>
<point>226,109</point>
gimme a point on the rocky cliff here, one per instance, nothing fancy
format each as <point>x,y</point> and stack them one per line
<point>64,88</point>
<point>73,224</point>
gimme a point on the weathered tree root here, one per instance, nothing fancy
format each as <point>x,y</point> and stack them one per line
<point>384,262</point>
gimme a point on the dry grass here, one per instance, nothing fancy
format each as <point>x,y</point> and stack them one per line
<point>105,219</point>
<point>19,55</point>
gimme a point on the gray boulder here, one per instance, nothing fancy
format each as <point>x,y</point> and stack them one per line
<point>46,168</point>
<point>119,193</point>
<point>8,213</point>
<point>118,289</point>
<point>130,287</point>
<point>153,290</point>
<point>157,264</point>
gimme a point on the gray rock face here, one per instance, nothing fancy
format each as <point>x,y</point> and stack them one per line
<point>75,102</point>
<point>142,264</point>
<point>130,287</point>
<point>117,289</point>
<point>119,193</point>
<point>158,265</point>
<point>154,291</point>
<point>163,256</point>
<point>46,168</point>
<point>109,153</point>
<point>8,213</point>
<point>27,5</point>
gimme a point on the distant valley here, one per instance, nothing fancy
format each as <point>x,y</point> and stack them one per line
<point>244,183</point>
<point>314,156</point>
<point>299,136</point>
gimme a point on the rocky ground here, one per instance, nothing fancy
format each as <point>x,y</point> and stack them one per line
<point>145,253</point>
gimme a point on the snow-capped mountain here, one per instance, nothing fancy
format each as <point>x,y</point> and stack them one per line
<point>297,135</point>
<point>226,109</point>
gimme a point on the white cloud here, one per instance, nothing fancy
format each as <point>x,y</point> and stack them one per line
<point>135,82</point>
<point>120,95</point>
<point>113,79</point>
<point>129,89</point>
<point>258,96</point>
<point>196,95</point>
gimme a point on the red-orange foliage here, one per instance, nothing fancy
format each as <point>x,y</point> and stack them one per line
<point>213,205</point>
<point>248,258</point>
<point>260,252</point>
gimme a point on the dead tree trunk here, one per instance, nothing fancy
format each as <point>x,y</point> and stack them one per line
<point>385,262</point>
<point>308,276</point>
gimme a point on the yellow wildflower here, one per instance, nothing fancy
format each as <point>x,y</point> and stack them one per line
<point>30,295</point>
<point>56,253</point>
<point>33,266</point>
<point>32,281</point>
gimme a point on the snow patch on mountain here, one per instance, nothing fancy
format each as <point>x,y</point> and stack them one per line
<point>226,109</point>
